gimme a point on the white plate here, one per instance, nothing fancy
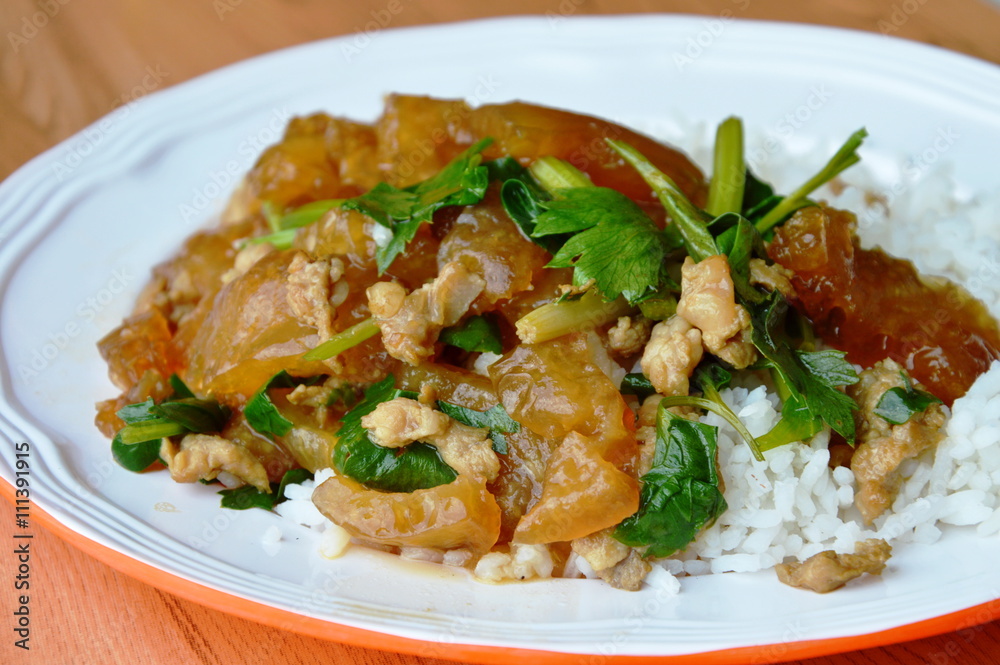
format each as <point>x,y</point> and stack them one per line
<point>83,223</point>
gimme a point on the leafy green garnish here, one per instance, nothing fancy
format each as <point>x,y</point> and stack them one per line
<point>477,333</point>
<point>137,456</point>
<point>412,467</point>
<point>248,496</point>
<point>680,495</point>
<point>740,243</point>
<point>810,377</point>
<point>688,219</point>
<point>462,181</point>
<point>263,415</point>
<point>898,405</point>
<point>637,384</point>
<point>181,391</point>
<point>137,445</point>
<point>344,340</point>
<point>495,419</point>
<point>844,158</point>
<point>614,243</point>
<point>725,192</point>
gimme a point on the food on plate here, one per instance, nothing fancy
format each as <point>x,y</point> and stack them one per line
<point>534,343</point>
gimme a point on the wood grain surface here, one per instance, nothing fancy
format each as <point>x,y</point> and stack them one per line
<point>66,63</point>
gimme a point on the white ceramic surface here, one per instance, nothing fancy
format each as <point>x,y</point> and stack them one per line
<point>82,224</point>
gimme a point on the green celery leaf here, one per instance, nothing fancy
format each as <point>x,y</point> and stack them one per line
<point>137,445</point>
<point>476,333</point>
<point>136,456</point>
<point>263,415</point>
<point>740,243</point>
<point>615,243</point>
<point>756,193</point>
<point>898,405</point>
<point>637,384</point>
<point>680,495</point>
<point>413,467</point>
<point>463,181</point>
<point>385,204</point>
<point>137,413</point>
<point>523,203</point>
<point>710,377</point>
<point>197,415</point>
<point>291,477</point>
<point>495,419</point>
<point>812,375</point>
<point>246,497</point>
<point>181,391</point>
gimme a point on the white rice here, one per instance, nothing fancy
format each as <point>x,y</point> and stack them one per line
<point>792,505</point>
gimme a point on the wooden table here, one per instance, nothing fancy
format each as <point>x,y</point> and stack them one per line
<point>59,77</point>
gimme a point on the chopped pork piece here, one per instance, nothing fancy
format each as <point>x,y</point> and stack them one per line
<point>311,285</point>
<point>627,574</point>
<point>674,350</point>
<point>630,335</point>
<point>410,324</point>
<point>882,446</point>
<point>402,421</point>
<point>774,277</point>
<point>708,302</point>
<point>617,564</point>
<point>828,571</point>
<point>203,457</point>
<point>601,550</point>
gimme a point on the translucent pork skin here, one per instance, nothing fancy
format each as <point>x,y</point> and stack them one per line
<point>874,306</point>
<point>226,340</point>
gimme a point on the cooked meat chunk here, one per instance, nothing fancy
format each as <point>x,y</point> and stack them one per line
<point>410,324</point>
<point>601,550</point>
<point>674,350</point>
<point>311,285</point>
<point>204,457</point>
<point>402,421</point>
<point>628,573</point>
<point>708,302</point>
<point>319,396</point>
<point>883,447</point>
<point>774,277</point>
<point>629,335</point>
<point>828,571</point>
